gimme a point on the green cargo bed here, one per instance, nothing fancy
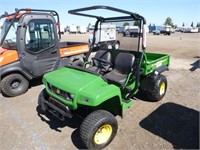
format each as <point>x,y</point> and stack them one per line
<point>152,61</point>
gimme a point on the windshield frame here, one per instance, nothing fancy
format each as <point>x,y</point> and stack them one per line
<point>9,28</point>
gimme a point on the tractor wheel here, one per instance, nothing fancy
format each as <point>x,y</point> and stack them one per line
<point>43,96</point>
<point>98,129</point>
<point>159,89</point>
<point>13,85</point>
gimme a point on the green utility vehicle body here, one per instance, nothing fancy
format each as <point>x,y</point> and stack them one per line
<point>107,84</point>
<point>89,89</point>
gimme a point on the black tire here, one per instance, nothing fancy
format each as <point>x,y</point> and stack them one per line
<point>91,129</point>
<point>135,35</point>
<point>116,45</point>
<point>124,34</point>
<point>78,63</point>
<point>43,96</point>
<point>109,46</point>
<point>159,89</point>
<point>14,85</point>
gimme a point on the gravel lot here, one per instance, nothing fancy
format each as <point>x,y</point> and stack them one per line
<point>172,123</point>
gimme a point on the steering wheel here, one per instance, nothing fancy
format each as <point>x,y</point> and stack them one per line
<point>103,63</point>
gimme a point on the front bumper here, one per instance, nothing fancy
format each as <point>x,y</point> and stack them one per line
<point>56,108</point>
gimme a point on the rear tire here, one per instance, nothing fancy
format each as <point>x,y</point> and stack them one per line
<point>98,129</point>
<point>14,85</point>
<point>159,89</point>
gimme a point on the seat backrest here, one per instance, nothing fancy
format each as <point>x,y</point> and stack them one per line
<point>124,63</point>
<point>103,54</point>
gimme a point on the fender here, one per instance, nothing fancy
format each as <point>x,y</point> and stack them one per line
<point>161,69</point>
<point>148,83</point>
<point>14,67</point>
<point>108,97</point>
<point>158,71</point>
<point>99,96</point>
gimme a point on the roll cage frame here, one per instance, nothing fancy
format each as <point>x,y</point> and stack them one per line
<point>129,16</point>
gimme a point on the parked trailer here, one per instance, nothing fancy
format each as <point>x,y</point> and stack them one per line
<point>82,29</point>
<point>121,29</point>
<point>62,29</point>
<point>155,30</point>
<point>73,29</point>
<point>189,30</point>
<point>105,37</point>
<point>194,30</point>
<point>166,30</point>
<point>131,31</point>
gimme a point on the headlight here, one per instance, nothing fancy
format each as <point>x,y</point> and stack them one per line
<point>86,100</point>
<point>71,96</point>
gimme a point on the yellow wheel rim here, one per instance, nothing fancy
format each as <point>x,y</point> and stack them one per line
<point>162,88</point>
<point>103,134</point>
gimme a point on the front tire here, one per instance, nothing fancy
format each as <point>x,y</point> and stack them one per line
<point>98,129</point>
<point>42,97</point>
<point>14,85</point>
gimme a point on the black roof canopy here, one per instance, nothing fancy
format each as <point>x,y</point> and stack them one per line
<point>128,15</point>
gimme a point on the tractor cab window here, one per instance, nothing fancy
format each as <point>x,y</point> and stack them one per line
<point>10,39</point>
<point>39,35</point>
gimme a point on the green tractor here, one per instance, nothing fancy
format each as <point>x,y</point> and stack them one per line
<point>106,84</point>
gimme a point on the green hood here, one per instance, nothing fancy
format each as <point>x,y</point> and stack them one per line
<point>89,89</point>
<point>73,80</point>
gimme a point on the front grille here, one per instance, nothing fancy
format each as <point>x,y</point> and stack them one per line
<point>57,104</point>
<point>60,93</point>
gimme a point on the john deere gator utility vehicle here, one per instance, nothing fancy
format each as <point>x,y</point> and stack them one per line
<point>107,86</point>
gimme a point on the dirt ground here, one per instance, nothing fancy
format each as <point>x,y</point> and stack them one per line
<point>172,123</point>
